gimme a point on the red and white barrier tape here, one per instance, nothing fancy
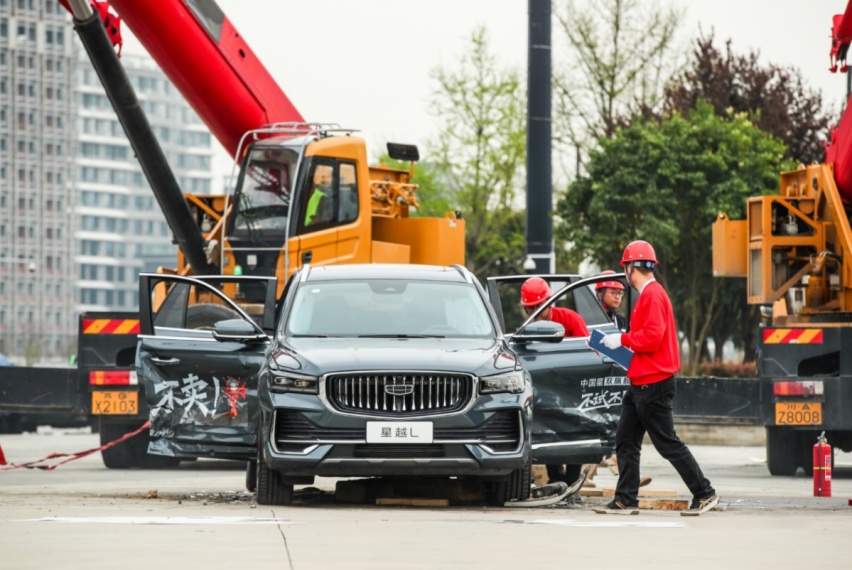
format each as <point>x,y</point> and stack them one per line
<point>72,456</point>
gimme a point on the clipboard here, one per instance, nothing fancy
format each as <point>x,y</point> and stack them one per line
<point>621,355</point>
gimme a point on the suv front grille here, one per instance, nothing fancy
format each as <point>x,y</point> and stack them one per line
<point>399,394</point>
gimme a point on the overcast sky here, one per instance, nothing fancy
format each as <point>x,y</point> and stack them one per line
<point>365,64</point>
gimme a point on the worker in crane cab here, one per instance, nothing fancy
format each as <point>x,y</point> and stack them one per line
<point>320,205</point>
<point>535,292</point>
<point>610,294</point>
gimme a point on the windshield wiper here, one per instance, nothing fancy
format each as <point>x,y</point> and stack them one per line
<point>401,336</point>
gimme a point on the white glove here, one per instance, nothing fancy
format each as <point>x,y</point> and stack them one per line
<point>612,341</point>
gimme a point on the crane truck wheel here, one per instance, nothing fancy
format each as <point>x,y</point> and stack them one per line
<point>123,455</point>
<point>251,476</point>
<point>783,452</point>
<point>205,315</point>
<point>132,452</point>
<point>150,461</point>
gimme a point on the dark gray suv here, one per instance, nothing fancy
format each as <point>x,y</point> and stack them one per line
<point>372,370</point>
<point>391,370</point>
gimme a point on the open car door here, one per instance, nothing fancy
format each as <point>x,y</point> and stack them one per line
<point>197,358</point>
<point>577,392</point>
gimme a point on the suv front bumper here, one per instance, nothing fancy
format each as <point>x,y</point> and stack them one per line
<point>490,438</point>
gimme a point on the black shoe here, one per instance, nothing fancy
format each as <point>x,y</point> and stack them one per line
<point>616,508</point>
<point>701,506</point>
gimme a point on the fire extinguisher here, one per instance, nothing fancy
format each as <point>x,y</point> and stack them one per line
<point>822,467</point>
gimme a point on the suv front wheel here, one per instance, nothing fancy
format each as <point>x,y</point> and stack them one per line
<point>516,487</point>
<point>270,488</point>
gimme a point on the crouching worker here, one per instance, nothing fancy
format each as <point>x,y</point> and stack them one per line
<point>535,292</point>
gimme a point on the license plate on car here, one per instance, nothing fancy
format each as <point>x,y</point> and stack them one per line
<point>798,413</point>
<point>399,432</point>
<point>117,402</point>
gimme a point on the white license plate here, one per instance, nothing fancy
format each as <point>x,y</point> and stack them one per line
<point>399,432</point>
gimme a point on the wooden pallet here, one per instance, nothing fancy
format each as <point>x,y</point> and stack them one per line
<point>642,493</point>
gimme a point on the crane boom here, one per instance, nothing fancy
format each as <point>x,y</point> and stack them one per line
<point>210,63</point>
<point>838,149</point>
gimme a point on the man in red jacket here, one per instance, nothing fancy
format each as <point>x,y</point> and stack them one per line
<point>647,404</point>
<point>610,294</point>
<point>534,292</point>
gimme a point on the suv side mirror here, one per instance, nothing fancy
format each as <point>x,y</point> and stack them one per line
<point>237,330</point>
<point>540,331</point>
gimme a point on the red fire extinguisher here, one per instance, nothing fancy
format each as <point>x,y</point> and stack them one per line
<point>822,467</point>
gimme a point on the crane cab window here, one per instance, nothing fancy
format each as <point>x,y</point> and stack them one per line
<point>263,195</point>
<point>331,198</point>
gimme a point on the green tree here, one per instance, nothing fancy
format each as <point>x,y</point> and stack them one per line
<point>665,181</point>
<point>779,102</point>
<point>479,154</point>
<point>776,98</point>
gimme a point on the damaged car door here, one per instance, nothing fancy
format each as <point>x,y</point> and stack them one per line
<point>197,358</point>
<point>577,392</point>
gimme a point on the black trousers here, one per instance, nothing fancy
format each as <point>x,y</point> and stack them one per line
<point>649,409</point>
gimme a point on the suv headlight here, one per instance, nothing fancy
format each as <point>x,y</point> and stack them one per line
<point>512,382</point>
<point>284,381</point>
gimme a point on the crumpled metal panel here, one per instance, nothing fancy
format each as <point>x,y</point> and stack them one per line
<point>200,414</point>
<point>566,410</point>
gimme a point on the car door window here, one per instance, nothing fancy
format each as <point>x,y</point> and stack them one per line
<point>186,306</point>
<point>580,300</point>
<point>577,393</point>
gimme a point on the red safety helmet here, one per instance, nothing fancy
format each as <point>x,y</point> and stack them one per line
<point>534,291</point>
<point>609,284</point>
<point>639,253</point>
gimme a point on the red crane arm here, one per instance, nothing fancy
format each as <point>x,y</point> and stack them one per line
<point>838,149</point>
<point>209,62</point>
<point>841,35</point>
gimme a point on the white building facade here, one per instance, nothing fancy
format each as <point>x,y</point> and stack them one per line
<point>78,221</point>
<point>120,229</point>
<point>37,197</point>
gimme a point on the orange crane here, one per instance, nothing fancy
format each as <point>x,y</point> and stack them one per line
<point>270,225</point>
<point>305,194</point>
<point>795,249</point>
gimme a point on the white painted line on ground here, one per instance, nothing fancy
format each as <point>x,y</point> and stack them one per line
<point>159,520</point>
<point>613,524</point>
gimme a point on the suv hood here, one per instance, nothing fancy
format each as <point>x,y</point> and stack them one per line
<point>475,356</point>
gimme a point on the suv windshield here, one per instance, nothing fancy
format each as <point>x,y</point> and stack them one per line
<point>388,307</point>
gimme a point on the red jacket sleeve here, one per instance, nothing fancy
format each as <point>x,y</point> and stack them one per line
<point>572,321</point>
<point>649,327</point>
